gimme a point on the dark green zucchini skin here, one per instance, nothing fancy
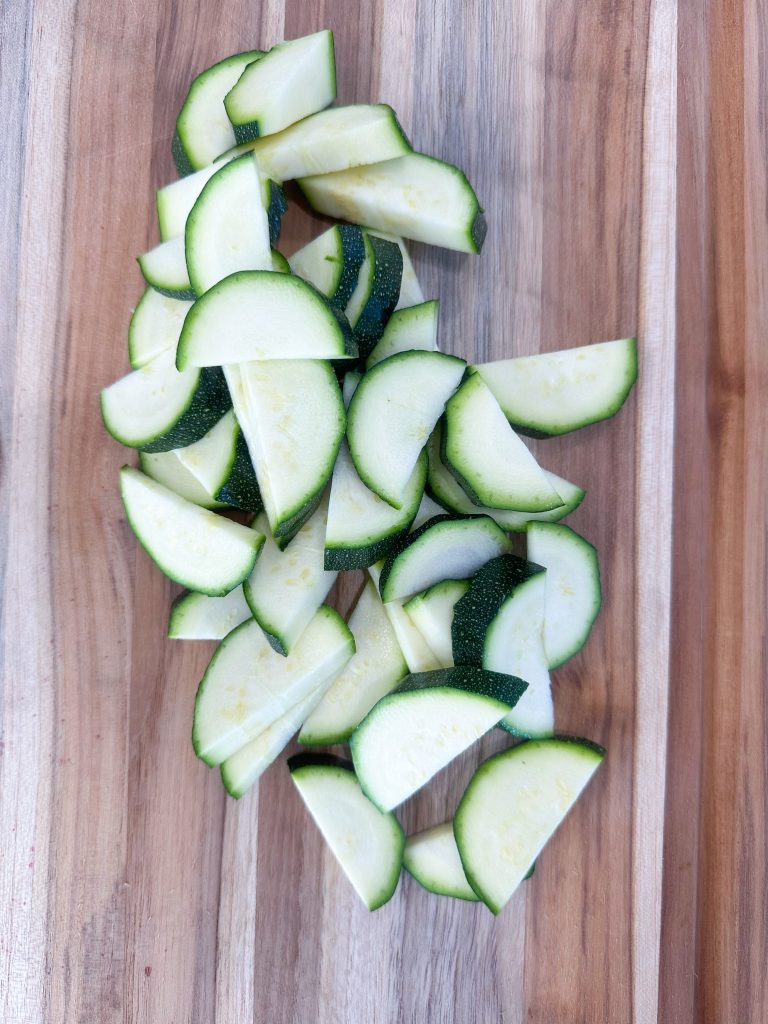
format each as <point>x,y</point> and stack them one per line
<point>210,400</point>
<point>385,291</point>
<point>276,209</point>
<point>476,610</point>
<point>241,488</point>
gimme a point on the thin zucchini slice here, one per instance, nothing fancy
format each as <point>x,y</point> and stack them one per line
<point>292,415</point>
<point>432,614</point>
<point>378,287</point>
<point>419,728</point>
<point>192,546</point>
<point>332,140</point>
<point>331,262</point>
<point>158,408</point>
<point>573,595</point>
<point>392,414</point>
<point>410,327</point>
<point>248,686</point>
<point>499,625</point>
<point>155,327</point>
<point>376,669</point>
<point>203,130</point>
<point>419,656</point>
<point>488,458</point>
<point>200,617</point>
<point>556,392</point>
<point>410,289</point>
<point>260,315</point>
<point>512,806</point>
<point>367,843</point>
<point>227,230</point>
<point>415,196</point>
<point>287,587</point>
<point>444,548</point>
<point>165,269</point>
<point>166,469</point>
<point>293,80</point>
<point>221,463</point>
<point>444,486</point>
<point>432,858</point>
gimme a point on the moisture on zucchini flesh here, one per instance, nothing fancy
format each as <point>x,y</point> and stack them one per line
<point>414,196</point>
<point>499,624</point>
<point>203,130</point>
<point>194,547</point>
<point>512,806</point>
<point>392,414</point>
<point>333,140</point>
<point>375,669</point>
<point>488,458</point>
<point>424,724</point>
<point>259,315</point>
<point>444,486</point>
<point>573,595</point>
<point>294,79</point>
<point>444,548</point>
<point>367,843</point>
<point>248,686</point>
<point>556,392</point>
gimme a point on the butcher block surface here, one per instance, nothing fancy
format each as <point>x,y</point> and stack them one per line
<point>620,150</point>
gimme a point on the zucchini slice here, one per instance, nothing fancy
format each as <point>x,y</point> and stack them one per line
<point>361,527</point>
<point>444,548</point>
<point>292,415</point>
<point>415,196</point>
<point>203,130</point>
<point>376,292</point>
<point>432,614</point>
<point>276,206</point>
<point>512,806</point>
<point>410,327</point>
<point>423,725</point>
<point>376,669</point>
<point>287,587</point>
<point>158,408</point>
<point>488,458</point>
<point>165,269</point>
<point>260,315</point>
<point>333,140</point>
<point>367,843</point>
<point>155,327</point>
<point>432,858</point>
<point>248,686</point>
<point>444,486</point>
<point>192,546</point>
<point>556,392</point>
<point>240,771</point>
<point>166,469</point>
<point>293,80</point>
<point>331,262</point>
<point>419,656</point>
<point>200,617</point>
<point>573,595</point>
<point>221,463</point>
<point>392,414</point>
<point>410,289</point>
<point>499,625</point>
<point>227,229</point>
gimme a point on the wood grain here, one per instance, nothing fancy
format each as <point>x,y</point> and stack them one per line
<point>620,150</point>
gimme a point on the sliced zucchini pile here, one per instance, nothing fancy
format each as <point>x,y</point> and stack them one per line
<point>311,393</point>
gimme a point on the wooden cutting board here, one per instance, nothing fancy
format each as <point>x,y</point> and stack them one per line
<point>620,150</point>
